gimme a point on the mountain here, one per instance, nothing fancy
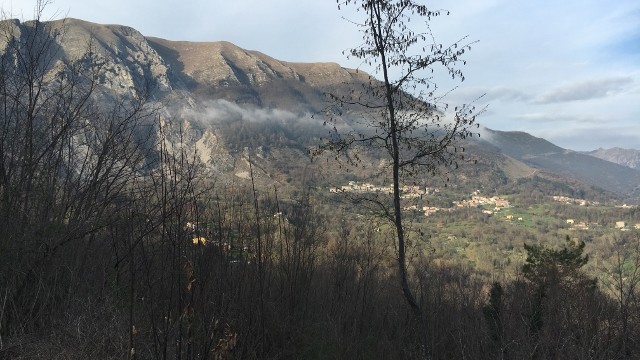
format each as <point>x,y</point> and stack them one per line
<point>221,70</point>
<point>199,70</point>
<point>541,154</point>
<point>626,157</point>
<point>235,106</point>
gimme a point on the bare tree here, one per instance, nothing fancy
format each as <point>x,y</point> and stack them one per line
<point>623,284</point>
<point>401,114</point>
<point>66,160</point>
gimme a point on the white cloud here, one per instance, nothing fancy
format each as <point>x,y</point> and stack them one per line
<point>498,93</point>
<point>222,111</point>
<point>586,90</point>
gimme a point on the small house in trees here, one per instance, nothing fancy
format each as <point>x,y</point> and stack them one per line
<point>199,240</point>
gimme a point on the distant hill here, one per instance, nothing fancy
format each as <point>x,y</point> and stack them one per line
<point>626,157</point>
<point>232,104</point>
<point>541,154</point>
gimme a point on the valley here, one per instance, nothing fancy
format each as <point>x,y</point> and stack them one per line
<point>487,233</point>
<point>173,199</point>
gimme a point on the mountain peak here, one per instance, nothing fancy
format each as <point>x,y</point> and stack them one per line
<point>222,70</point>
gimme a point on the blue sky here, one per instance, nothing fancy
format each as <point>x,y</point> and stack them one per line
<point>566,71</point>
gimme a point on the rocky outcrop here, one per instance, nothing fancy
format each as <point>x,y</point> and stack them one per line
<point>127,63</point>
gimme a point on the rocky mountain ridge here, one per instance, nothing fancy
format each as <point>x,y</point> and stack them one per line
<point>222,100</point>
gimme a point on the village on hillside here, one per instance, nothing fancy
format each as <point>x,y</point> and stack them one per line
<point>415,192</point>
<point>490,205</point>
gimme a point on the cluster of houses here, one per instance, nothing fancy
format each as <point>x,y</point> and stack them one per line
<point>620,225</point>
<point>490,205</point>
<point>356,187</point>
<point>427,210</point>
<point>568,200</point>
<point>415,191</point>
<point>476,200</point>
<point>577,226</point>
<point>408,191</point>
<point>625,206</point>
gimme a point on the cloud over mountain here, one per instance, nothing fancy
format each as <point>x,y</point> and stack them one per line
<point>586,90</point>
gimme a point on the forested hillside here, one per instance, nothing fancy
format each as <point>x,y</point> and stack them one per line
<point>130,228</point>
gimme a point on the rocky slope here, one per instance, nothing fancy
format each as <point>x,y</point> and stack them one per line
<point>626,157</point>
<point>214,94</point>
